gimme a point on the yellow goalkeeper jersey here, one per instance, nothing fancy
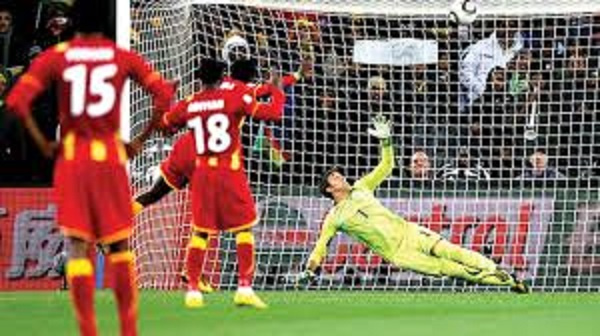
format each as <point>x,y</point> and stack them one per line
<point>363,217</point>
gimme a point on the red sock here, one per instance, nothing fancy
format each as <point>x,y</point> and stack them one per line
<point>80,275</point>
<point>195,260</point>
<point>125,289</point>
<point>245,256</point>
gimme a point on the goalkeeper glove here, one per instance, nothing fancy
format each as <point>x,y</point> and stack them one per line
<point>382,128</point>
<point>306,277</point>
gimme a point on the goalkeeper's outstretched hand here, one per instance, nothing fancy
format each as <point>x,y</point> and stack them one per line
<point>305,278</point>
<point>382,128</point>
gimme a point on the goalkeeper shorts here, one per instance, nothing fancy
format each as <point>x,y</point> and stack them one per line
<point>419,239</point>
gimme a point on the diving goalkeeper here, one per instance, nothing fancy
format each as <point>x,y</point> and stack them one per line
<point>407,245</point>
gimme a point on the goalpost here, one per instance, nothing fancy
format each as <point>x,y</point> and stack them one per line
<point>476,120</point>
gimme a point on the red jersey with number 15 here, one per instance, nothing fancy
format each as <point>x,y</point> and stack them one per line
<point>89,74</point>
<point>215,117</point>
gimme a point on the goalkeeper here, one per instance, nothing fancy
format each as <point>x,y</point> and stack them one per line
<point>359,214</point>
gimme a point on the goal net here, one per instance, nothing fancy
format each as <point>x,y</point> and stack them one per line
<point>495,131</point>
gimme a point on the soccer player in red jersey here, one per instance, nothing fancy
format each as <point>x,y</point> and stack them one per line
<point>90,179</point>
<point>177,168</point>
<point>221,196</point>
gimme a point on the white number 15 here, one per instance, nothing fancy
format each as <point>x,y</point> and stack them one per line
<point>99,85</point>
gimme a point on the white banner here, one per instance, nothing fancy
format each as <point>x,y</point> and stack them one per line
<point>406,51</point>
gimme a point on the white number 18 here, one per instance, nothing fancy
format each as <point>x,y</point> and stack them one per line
<point>218,137</point>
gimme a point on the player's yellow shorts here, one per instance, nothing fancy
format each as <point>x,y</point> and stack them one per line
<point>414,252</point>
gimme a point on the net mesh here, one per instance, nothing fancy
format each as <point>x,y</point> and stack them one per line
<point>495,132</point>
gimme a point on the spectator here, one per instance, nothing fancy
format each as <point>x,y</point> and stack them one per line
<point>420,166</point>
<point>539,168</point>
<point>480,58</point>
<point>519,81</point>
<point>11,51</point>
<point>377,88</point>
<point>58,28</point>
<point>464,168</point>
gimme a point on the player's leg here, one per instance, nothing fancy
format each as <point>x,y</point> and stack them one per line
<point>80,276</point>
<point>196,252</point>
<point>175,172</point>
<point>113,222</point>
<point>125,289</point>
<point>74,216</point>
<point>204,284</point>
<point>431,243</point>
<point>240,222</point>
<point>245,295</point>
<point>194,262</point>
<point>446,250</point>
<point>478,268</point>
<point>416,253</point>
<point>204,190</point>
<point>431,265</point>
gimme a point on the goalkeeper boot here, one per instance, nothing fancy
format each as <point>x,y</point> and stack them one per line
<point>504,276</point>
<point>194,299</point>
<point>245,297</point>
<point>520,287</point>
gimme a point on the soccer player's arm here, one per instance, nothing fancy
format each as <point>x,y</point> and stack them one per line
<point>175,118</point>
<point>272,110</point>
<point>328,231</point>
<point>264,89</point>
<point>162,91</point>
<point>382,171</point>
<point>291,79</point>
<point>29,86</point>
<point>159,189</point>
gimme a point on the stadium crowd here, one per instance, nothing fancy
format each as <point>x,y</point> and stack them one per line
<point>26,29</point>
<point>463,117</point>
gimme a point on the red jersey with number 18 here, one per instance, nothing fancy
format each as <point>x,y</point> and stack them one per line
<point>221,196</point>
<point>215,116</point>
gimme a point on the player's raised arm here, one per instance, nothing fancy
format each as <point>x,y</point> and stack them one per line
<point>382,131</point>
<point>272,110</point>
<point>27,89</point>
<point>288,80</point>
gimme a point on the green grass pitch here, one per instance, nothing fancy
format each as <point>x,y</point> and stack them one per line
<point>319,313</point>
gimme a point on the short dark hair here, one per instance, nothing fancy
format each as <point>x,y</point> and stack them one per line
<point>244,70</point>
<point>325,183</point>
<point>5,8</point>
<point>211,71</point>
<point>91,16</point>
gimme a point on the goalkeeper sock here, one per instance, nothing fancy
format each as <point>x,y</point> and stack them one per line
<point>81,281</point>
<point>446,250</point>
<point>195,260</point>
<point>125,290</point>
<point>245,256</point>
